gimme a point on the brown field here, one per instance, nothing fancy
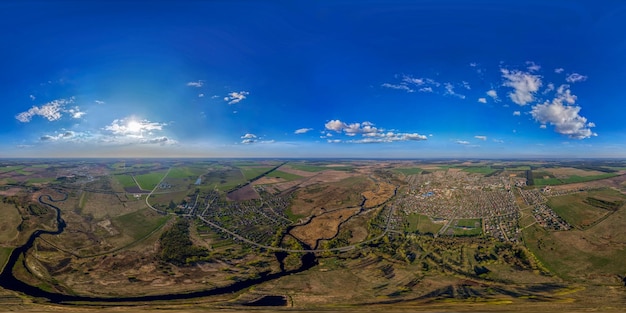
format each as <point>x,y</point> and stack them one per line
<point>617,182</point>
<point>10,192</point>
<point>289,169</point>
<point>8,223</point>
<point>267,180</point>
<point>101,205</point>
<point>378,197</point>
<point>324,226</point>
<point>330,196</point>
<point>244,193</point>
<point>565,172</point>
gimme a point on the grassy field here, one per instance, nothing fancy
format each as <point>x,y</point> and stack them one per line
<point>225,179</point>
<point>186,172</point>
<point>140,223</point>
<point>485,170</point>
<point>518,168</point>
<point>409,170</point>
<point>318,168</point>
<point>9,222</point>
<point>284,175</point>
<point>252,172</point>
<point>7,169</point>
<point>469,222</point>
<point>570,180</point>
<point>5,252</point>
<point>150,180</point>
<point>125,180</point>
<point>576,209</point>
<point>422,223</point>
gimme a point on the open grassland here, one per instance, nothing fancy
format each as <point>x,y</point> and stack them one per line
<point>585,208</point>
<point>101,205</point>
<point>330,196</point>
<point>422,224</point>
<point>592,255</point>
<point>224,179</point>
<point>566,175</point>
<point>5,252</point>
<point>381,192</point>
<point>150,180</point>
<point>485,170</point>
<point>284,175</point>
<point>182,172</point>
<point>518,168</point>
<point>408,170</point>
<point>9,221</point>
<point>11,168</point>
<point>319,167</point>
<point>125,180</point>
<point>250,172</point>
<point>137,225</point>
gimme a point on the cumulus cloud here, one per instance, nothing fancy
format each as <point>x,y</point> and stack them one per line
<point>369,133</point>
<point>162,140</point>
<point>249,136</point>
<point>517,113</point>
<point>482,100</point>
<point>493,94</point>
<point>196,84</point>
<point>236,97</point>
<point>479,137</point>
<point>462,142</point>
<point>76,113</point>
<point>525,85</point>
<point>51,111</point>
<point>426,89</point>
<point>559,70</point>
<point>575,78</point>
<point>563,115</point>
<point>302,131</point>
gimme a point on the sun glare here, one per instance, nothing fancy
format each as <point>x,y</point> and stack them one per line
<point>133,126</point>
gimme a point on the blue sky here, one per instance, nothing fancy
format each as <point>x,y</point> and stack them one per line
<point>405,79</point>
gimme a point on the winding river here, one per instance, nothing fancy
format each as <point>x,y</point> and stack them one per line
<point>9,281</point>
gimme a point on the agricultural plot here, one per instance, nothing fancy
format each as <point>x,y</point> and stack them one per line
<point>584,209</point>
<point>422,224</point>
<point>139,224</point>
<point>283,175</point>
<point>318,167</point>
<point>566,175</point>
<point>250,172</point>
<point>125,180</point>
<point>485,170</point>
<point>150,180</point>
<point>409,170</point>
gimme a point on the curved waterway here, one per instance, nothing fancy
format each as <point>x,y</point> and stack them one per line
<point>9,281</point>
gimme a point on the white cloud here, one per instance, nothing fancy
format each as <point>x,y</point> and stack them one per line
<point>525,85</point>
<point>411,80</point>
<point>132,127</point>
<point>564,117</point>
<point>493,94</point>
<point>498,140</point>
<point>32,97</point>
<point>482,100</point>
<point>333,140</point>
<point>248,141</point>
<point>462,142</point>
<point>549,88</point>
<point>479,137</point>
<point>162,140</point>
<point>575,78</point>
<point>76,113</point>
<point>398,87</point>
<point>236,97</point>
<point>559,70</point>
<point>369,133</point>
<point>466,85</point>
<point>51,111</point>
<point>196,84</point>
<point>201,95</point>
<point>426,89</point>
<point>517,113</point>
<point>302,130</point>
<point>249,136</point>
<point>99,102</point>
<point>473,64</point>
<point>450,91</point>
<point>543,126</point>
<point>532,67</point>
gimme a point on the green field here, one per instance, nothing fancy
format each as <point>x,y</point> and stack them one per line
<point>422,223</point>
<point>149,181</point>
<point>409,170</point>
<point>125,180</point>
<point>485,170</point>
<point>225,179</point>
<point>318,168</point>
<point>186,172</point>
<point>576,209</point>
<point>518,168</point>
<point>284,175</point>
<point>140,223</point>
<point>570,180</point>
<point>252,172</point>
<point>4,256</point>
<point>8,169</point>
<point>469,222</point>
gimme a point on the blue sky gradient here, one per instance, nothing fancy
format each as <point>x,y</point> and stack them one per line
<point>405,79</point>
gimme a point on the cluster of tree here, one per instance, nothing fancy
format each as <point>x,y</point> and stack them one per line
<point>177,248</point>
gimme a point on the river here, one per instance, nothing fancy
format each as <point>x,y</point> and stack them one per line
<point>9,281</point>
